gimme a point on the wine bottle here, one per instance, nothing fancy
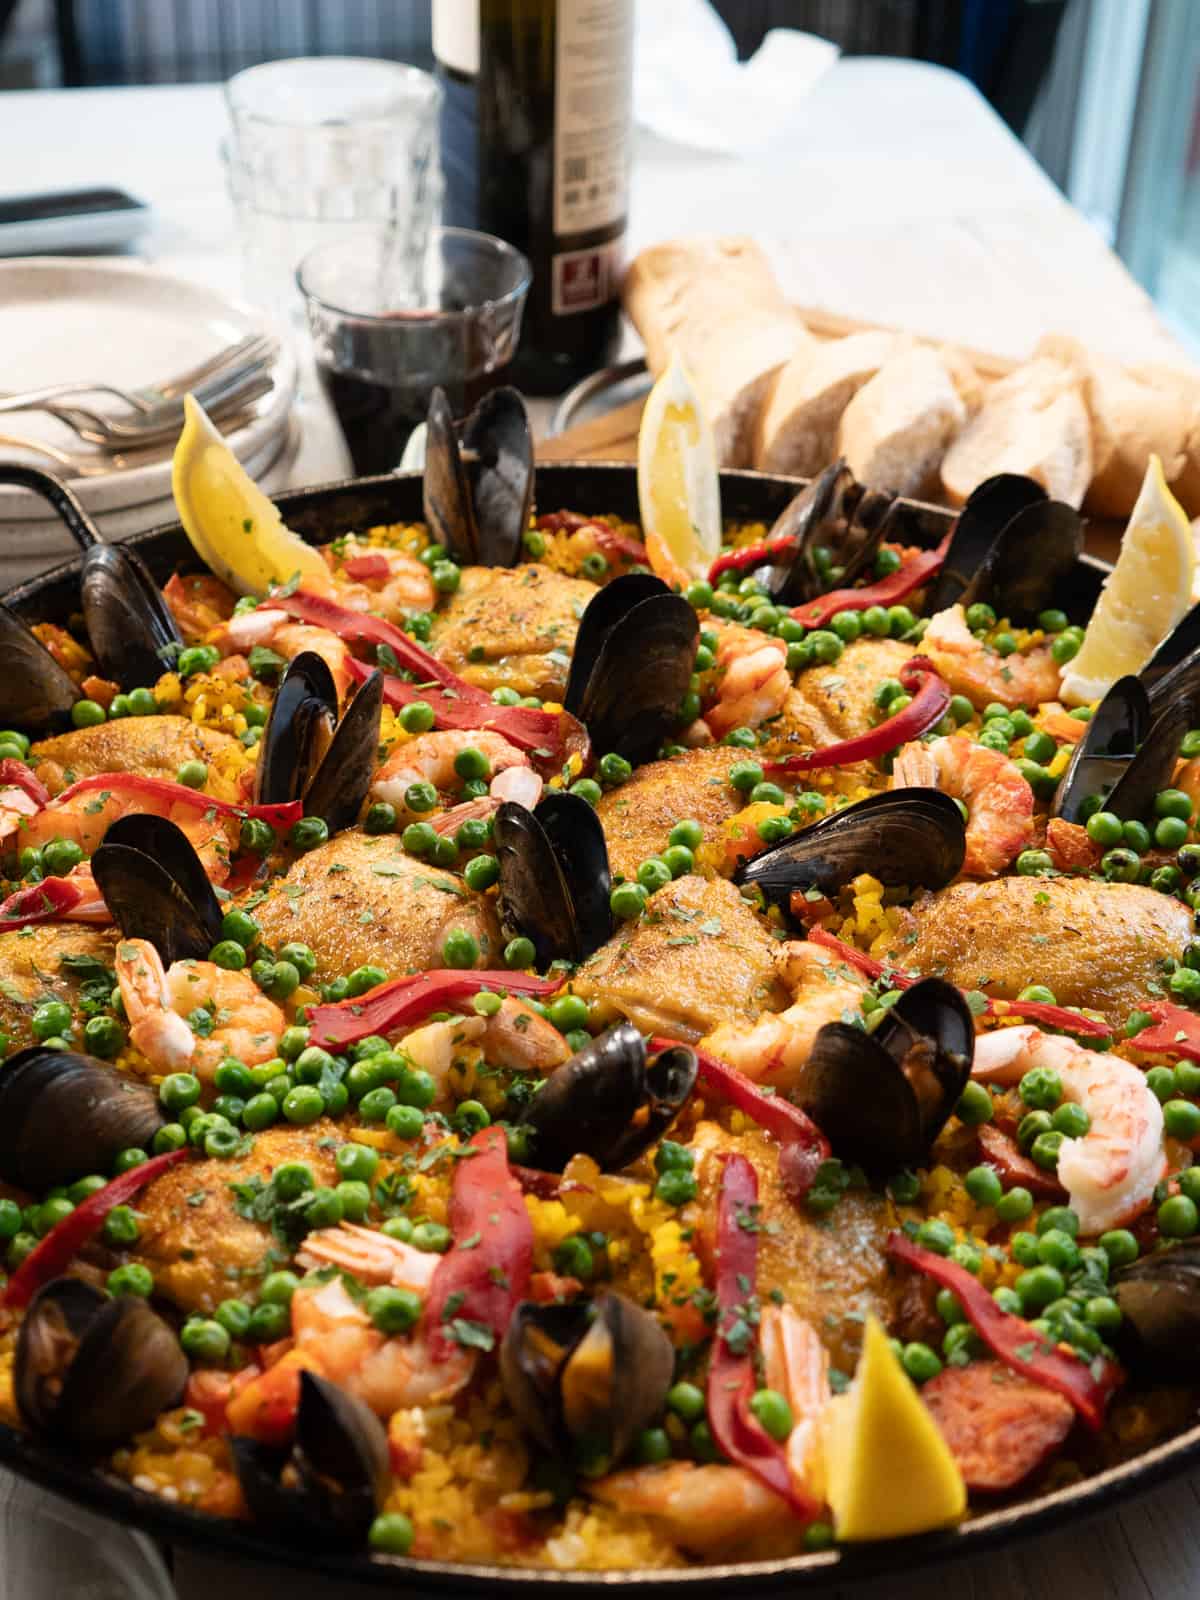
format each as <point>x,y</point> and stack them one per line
<point>536,140</point>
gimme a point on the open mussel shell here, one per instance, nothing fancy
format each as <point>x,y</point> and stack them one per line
<point>36,693</point>
<point>478,495</point>
<point>64,1115</point>
<point>1110,741</point>
<point>609,1101</point>
<point>330,1484</point>
<point>638,653</point>
<point>1173,672</point>
<point>156,888</point>
<point>299,730</point>
<point>340,784</point>
<point>989,508</point>
<point>586,1377</point>
<point>882,1098</point>
<point>915,837</point>
<point>92,1370</point>
<point>554,879</point>
<point>1159,1297</point>
<point>132,633</point>
<point>448,503</point>
<point>1033,554</point>
<point>834,512</point>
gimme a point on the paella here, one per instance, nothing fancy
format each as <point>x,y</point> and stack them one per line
<point>512,1058</point>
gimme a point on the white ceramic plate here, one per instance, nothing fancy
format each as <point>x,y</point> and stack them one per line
<point>64,319</point>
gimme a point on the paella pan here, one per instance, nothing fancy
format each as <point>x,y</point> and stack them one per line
<point>516,1071</point>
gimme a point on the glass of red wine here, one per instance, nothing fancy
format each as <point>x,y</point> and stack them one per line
<point>382,343</point>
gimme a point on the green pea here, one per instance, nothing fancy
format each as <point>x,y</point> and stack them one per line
<point>1161,1083</point>
<point>104,1037</point>
<point>741,739</point>
<point>1071,1120</point>
<point>1121,865</point>
<point>1041,1088</point>
<point>676,1188</point>
<point>308,833</point>
<point>205,1340</point>
<point>481,872</point>
<point>653,874</point>
<point>975,1105</point>
<point>49,1020</point>
<point>980,617</point>
<point>391,1533</point>
<point>628,900</point>
<point>1178,1217</point>
<point>234,1316</point>
<point>277,1288</point>
<point>587,789</point>
<point>936,1235</point>
<point>983,1186</point>
<point>363,979</point>
<point>1015,1205</point>
<point>679,860</point>
<point>614,769</point>
<point>405,1121</point>
<point>431,1236</point>
<point>699,595</point>
<point>460,948</point>
<point>1065,648</point>
<point>259,1112</point>
<point>269,1322</point>
<point>1040,747</point>
<point>1185,985</point>
<point>193,774</point>
<point>257,836</point>
<point>228,954</point>
<point>772,1412</point>
<point>1034,863</point>
<point>1038,1286</point>
<point>520,953</point>
<point>1170,833</point>
<point>745,775</point>
<point>686,1401</point>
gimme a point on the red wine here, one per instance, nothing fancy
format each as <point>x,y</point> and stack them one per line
<point>377,418</point>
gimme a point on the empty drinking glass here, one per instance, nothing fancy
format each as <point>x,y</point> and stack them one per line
<point>382,346</point>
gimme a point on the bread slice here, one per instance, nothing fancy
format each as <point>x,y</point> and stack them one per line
<point>895,431</point>
<point>716,301</point>
<point>1133,412</point>
<point>797,427</point>
<point>1034,421</point>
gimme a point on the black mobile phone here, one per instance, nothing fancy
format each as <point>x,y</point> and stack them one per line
<point>70,219</point>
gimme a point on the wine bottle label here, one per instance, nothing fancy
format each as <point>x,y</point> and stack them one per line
<point>592,89</point>
<point>583,279</point>
<point>456,35</point>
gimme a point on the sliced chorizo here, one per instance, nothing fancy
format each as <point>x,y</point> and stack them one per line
<point>1002,1152</point>
<point>999,1425</point>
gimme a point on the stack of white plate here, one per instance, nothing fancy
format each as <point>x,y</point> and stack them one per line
<point>64,321</point>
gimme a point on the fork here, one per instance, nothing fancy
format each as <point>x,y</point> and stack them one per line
<point>229,393</point>
<point>253,347</point>
<point>80,466</point>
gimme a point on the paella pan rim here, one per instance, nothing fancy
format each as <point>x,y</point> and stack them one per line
<point>322,512</point>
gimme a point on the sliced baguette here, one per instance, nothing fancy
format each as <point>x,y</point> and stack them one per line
<point>895,431</point>
<point>1035,422</point>
<point>797,427</point>
<point>1134,413</point>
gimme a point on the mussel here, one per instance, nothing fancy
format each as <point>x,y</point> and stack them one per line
<point>915,837</point>
<point>308,754</point>
<point>836,514</point>
<point>631,665</point>
<point>478,495</point>
<point>882,1098</point>
<point>36,692</point>
<point>1159,1297</point>
<point>585,1378</point>
<point>987,511</point>
<point>1172,675</point>
<point>64,1116</point>
<point>610,1101</point>
<point>1126,755</point>
<point>328,1486</point>
<point>1028,560</point>
<point>554,878</point>
<point>91,1370</point>
<point>156,887</point>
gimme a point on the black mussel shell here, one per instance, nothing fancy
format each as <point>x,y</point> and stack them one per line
<point>1118,726</point>
<point>501,476</point>
<point>36,693</point>
<point>298,731</point>
<point>340,784</point>
<point>1173,671</point>
<point>329,1485</point>
<point>882,1098</point>
<point>1154,765</point>
<point>913,836</point>
<point>608,1101</point>
<point>133,635</point>
<point>92,1370</point>
<point>554,877</point>
<point>156,887</point>
<point>1033,553</point>
<point>65,1115</point>
<point>448,502</point>
<point>836,512</point>
<point>989,508</point>
<point>592,1373</point>
<point>1159,1297</point>
<point>636,667</point>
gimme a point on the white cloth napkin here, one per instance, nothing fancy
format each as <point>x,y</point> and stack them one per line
<point>689,87</point>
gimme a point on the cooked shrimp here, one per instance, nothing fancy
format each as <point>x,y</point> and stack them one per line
<point>85,819</point>
<point>516,1037</point>
<point>754,684</point>
<point>430,758</point>
<point>704,1509</point>
<point>16,808</point>
<point>973,668</point>
<point>198,603</point>
<point>388,582</point>
<point>274,628</point>
<point>774,1049</point>
<point>796,1365</point>
<point>387,1374</point>
<point>1110,1173</point>
<point>999,802</point>
<point>158,1002</point>
<point>370,1256</point>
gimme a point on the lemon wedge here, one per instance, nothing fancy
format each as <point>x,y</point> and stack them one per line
<point>679,492</point>
<point>234,529</point>
<point>888,1470</point>
<point>1144,596</point>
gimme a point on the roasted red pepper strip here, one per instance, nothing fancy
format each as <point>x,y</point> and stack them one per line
<point>370,566</point>
<point>50,901</point>
<point>731,1379</point>
<point>1035,1010</point>
<point>16,775</point>
<point>896,586</point>
<point>403,1002</point>
<point>485,1273</point>
<point>1087,1385</point>
<point>1175,1032</point>
<point>752,555</point>
<point>551,734</point>
<point>348,624</point>
<point>279,816</point>
<point>54,1254</point>
<point>795,1132</point>
<point>930,697</point>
